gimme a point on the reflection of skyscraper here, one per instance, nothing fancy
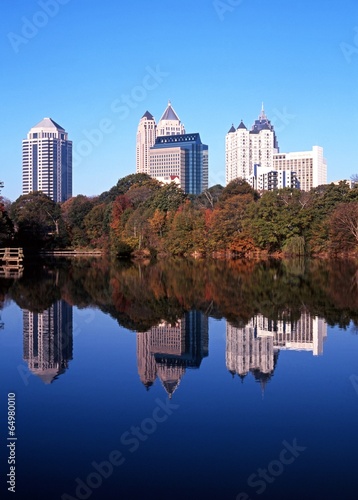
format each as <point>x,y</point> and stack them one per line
<point>305,334</point>
<point>250,351</point>
<point>48,340</point>
<point>167,350</point>
<point>255,347</point>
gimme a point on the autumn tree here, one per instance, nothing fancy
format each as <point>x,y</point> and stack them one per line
<point>343,226</point>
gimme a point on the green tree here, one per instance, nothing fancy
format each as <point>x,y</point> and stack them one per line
<point>6,225</point>
<point>96,225</point>
<point>37,220</point>
<point>74,212</point>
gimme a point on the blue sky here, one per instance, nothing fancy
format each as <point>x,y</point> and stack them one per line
<point>90,65</point>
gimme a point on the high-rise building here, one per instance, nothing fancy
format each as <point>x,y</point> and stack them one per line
<point>148,131</point>
<point>254,156</point>
<point>167,153</point>
<point>184,156</point>
<point>310,166</point>
<point>170,123</point>
<point>146,135</point>
<point>47,161</point>
<point>245,148</point>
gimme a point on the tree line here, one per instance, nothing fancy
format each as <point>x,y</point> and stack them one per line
<point>140,216</point>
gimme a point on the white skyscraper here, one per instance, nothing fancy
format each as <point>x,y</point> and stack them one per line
<point>247,148</point>
<point>47,161</point>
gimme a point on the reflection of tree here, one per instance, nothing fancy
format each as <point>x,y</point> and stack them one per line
<point>140,296</point>
<point>36,290</point>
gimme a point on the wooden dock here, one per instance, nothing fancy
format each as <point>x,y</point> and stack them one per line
<point>11,260</point>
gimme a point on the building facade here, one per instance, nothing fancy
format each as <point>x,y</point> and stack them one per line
<point>165,152</point>
<point>244,148</point>
<point>254,156</point>
<point>184,156</point>
<point>268,179</point>
<point>310,166</point>
<point>170,123</point>
<point>47,161</point>
<point>146,135</point>
<point>148,130</point>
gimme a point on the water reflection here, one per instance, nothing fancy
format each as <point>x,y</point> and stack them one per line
<point>269,306</point>
<point>166,350</point>
<point>48,340</point>
<point>255,347</point>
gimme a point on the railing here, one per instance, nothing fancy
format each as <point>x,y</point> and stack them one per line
<point>11,272</point>
<point>12,257</point>
<point>11,263</point>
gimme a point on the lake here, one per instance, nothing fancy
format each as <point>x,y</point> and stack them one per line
<point>180,379</point>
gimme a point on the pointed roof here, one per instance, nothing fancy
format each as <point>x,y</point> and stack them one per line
<point>232,129</point>
<point>48,123</point>
<point>148,116</point>
<point>170,114</point>
<point>242,125</point>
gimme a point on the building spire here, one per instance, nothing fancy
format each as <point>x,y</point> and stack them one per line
<point>262,115</point>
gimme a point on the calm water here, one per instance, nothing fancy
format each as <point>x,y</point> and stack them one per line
<point>181,380</point>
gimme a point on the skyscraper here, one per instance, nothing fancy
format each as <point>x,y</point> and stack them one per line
<point>47,161</point>
<point>146,135</point>
<point>148,131</point>
<point>245,148</point>
<point>170,123</point>
<point>183,156</point>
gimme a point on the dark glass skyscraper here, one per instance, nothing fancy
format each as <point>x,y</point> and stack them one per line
<point>184,156</point>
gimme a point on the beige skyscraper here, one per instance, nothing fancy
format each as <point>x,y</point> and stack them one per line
<point>170,123</point>
<point>146,135</point>
<point>148,131</point>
